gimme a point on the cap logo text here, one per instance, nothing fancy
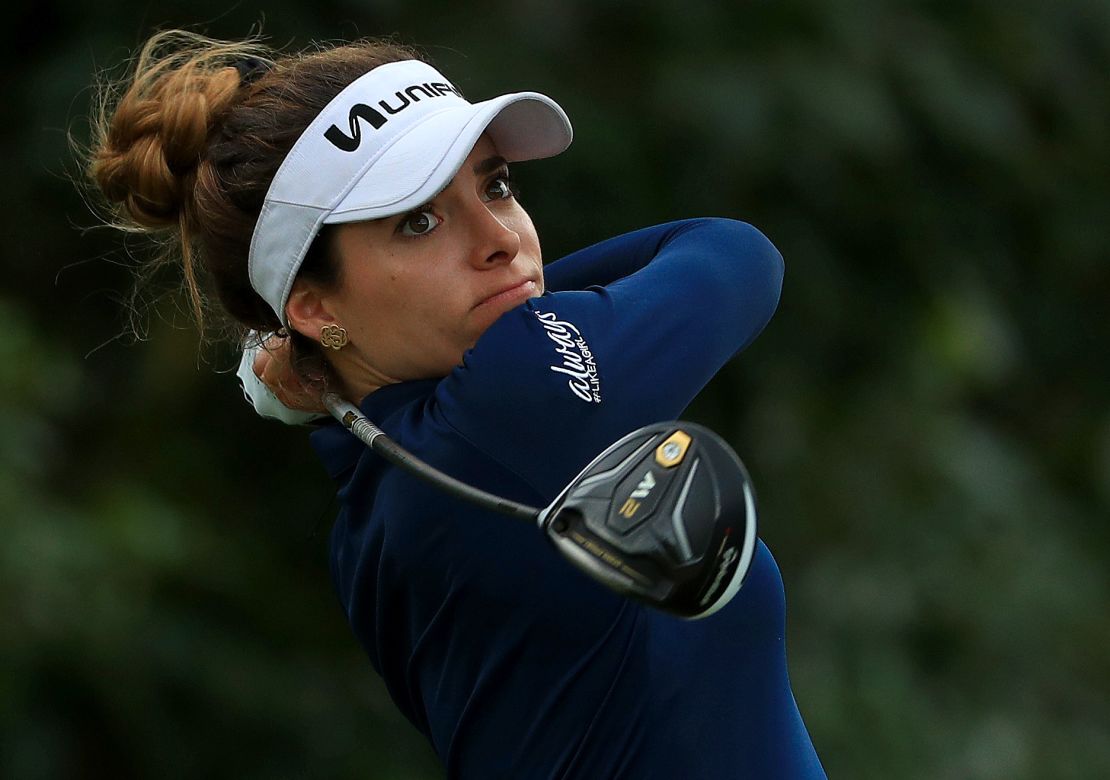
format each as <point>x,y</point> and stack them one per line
<point>376,119</point>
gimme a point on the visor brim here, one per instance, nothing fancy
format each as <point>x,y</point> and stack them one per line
<point>423,161</point>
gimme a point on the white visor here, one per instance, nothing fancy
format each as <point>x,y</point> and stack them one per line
<point>388,143</point>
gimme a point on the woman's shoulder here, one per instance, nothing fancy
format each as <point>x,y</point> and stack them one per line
<point>538,352</point>
<point>529,393</point>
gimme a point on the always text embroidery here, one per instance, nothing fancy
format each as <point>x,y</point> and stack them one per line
<point>577,360</point>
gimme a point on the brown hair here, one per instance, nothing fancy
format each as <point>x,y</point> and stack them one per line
<point>185,147</point>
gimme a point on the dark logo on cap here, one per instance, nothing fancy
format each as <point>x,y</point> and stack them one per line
<point>375,118</point>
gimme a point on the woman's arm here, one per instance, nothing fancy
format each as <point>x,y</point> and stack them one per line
<point>607,261</point>
<point>553,382</point>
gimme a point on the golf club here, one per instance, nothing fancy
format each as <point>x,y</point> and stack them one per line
<point>665,515</point>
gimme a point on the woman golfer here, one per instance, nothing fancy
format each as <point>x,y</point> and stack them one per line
<point>354,202</point>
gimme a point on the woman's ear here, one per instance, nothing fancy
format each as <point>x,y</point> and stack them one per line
<point>307,309</point>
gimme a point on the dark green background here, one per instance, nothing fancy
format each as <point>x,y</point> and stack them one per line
<point>926,417</point>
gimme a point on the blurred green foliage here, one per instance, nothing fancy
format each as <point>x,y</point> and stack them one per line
<point>926,417</point>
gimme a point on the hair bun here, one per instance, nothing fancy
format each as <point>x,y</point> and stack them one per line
<point>158,136</point>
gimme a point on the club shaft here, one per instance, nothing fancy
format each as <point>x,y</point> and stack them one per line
<point>376,439</point>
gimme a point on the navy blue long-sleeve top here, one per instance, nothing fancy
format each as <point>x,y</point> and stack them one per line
<point>512,662</point>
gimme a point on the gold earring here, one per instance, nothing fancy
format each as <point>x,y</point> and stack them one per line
<point>333,336</point>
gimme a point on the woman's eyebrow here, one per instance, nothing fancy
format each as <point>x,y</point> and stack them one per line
<point>481,168</point>
<point>489,165</point>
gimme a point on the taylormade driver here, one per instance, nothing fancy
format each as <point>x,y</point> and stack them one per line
<point>666,515</point>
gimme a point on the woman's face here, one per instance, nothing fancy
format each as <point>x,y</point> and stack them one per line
<point>417,290</point>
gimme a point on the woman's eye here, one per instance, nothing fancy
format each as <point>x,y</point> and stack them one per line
<point>420,223</point>
<point>500,188</point>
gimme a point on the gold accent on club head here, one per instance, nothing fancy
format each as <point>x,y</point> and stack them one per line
<point>671,452</point>
<point>631,506</point>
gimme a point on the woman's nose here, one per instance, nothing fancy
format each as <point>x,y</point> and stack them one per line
<point>495,242</point>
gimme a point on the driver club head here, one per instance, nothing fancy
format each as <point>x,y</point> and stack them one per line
<point>666,515</point>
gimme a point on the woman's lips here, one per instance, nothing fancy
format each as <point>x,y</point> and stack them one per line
<point>513,296</point>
